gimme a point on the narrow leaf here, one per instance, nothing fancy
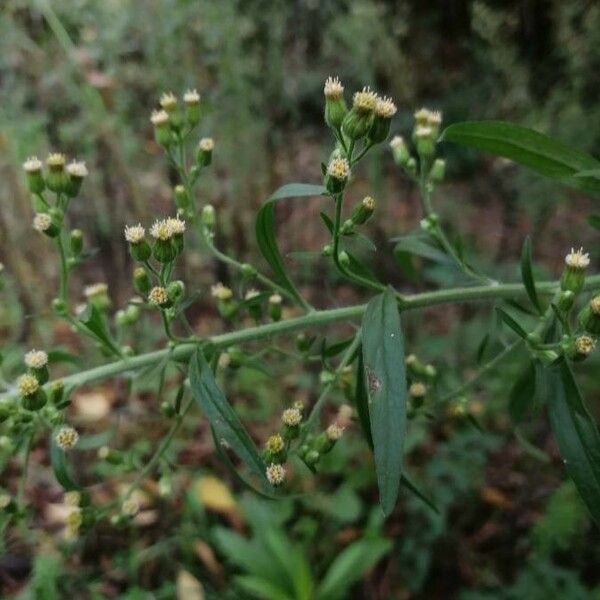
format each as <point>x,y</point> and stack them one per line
<point>522,394</point>
<point>226,424</point>
<point>265,229</point>
<point>511,323</point>
<point>532,149</point>
<point>527,275</point>
<point>60,466</point>
<point>93,320</point>
<point>383,356</point>
<point>361,400</point>
<point>576,433</point>
<point>411,487</point>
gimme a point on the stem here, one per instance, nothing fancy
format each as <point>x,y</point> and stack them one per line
<point>317,318</point>
<point>64,270</point>
<point>25,470</point>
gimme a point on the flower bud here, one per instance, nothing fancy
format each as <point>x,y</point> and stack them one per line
<point>347,227</point>
<point>7,409</point>
<point>176,290</point>
<point>32,395</point>
<point>335,105</point>
<point>399,151</point>
<point>33,171</point>
<point>291,419</point>
<point>359,120</point>
<point>205,151</point>
<point>164,251</point>
<point>191,100</point>
<point>248,271</point>
<point>167,409</point>
<point>162,131</point>
<point>590,316</point>
<point>424,139</point>
<point>417,392</point>
<point>327,250</point>
<point>573,277</point>
<point>158,296</point>
<point>43,223</point>
<point>76,173</point>
<point>76,241</point>
<point>565,301</point>
<point>580,348</point>
<point>438,170</point>
<point>337,175</point>
<point>344,258</point>
<point>182,199</point>
<point>57,178</point>
<point>57,393</point>
<point>132,314</point>
<point>429,118</point>
<point>385,109</point>
<point>209,217</point>
<point>275,451</point>
<point>121,318</point>
<point>141,281</point>
<point>97,294</point>
<point>312,457</point>
<point>303,343</point>
<point>362,212</point>
<point>275,307</point>
<point>168,102</point>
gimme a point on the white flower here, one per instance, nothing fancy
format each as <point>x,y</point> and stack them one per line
<point>42,222</point>
<point>176,225</point>
<point>333,88</point>
<point>67,437</point>
<point>432,118</point>
<point>27,385</point>
<point>206,144</point>
<point>397,142</point>
<point>95,289</point>
<point>36,359</point>
<point>168,101</point>
<point>334,432</point>
<point>158,296</point>
<point>191,97</point>
<point>275,474</point>
<point>159,118</point>
<point>423,131</point>
<point>221,292</point>
<point>417,390</point>
<point>291,417</point>
<point>385,108</point>
<point>577,259</point>
<point>365,100</point>
<point>251,293</point>
<point>134,234</point>
<point>77,169</point>
<point>275,299</point>
<point>32,165</point>
<point>339,168</point>
<point>56,160</point>
<point>161,230</point>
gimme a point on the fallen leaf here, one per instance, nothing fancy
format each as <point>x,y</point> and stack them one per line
<point>214,495</point>
<point>188,587</point>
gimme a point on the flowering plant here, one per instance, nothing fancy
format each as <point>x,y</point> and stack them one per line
<point>371,368</point>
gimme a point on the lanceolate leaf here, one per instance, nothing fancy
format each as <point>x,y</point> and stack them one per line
<point>385,377</point>
<point>227,427</point>
<point>93,321</point>
<point>265,229</point>
<point>522,394</point>
<point>532,149</point>
<point>361,400</point>
<point>512,323</point>
<point>576,433</point>
<point>60,467</point>
<point>527,275</point>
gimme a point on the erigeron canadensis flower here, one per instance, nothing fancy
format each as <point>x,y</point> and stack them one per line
<point>275,444</point>
<point>134,234</point>
<point>42,222</point>
<point>275,299</point>
<point>66,437</point>
<point>251,293</point>
<point>56,161</point>
<point>431,118</point>
<point>73,498</point>
<point>158,296</point>
<point>577,259</point>
<point>204,152</point>
<point>584,345</point>
<point>161,230</point>
<point>95,289</point>
<point>334,432</point>
<point>399,150</point>
<point>221,292</point>
<point>359,120</point>
<point>32,165</point>
<point>176,225</point>
<point>335,105</point>
<point>168,102</point>
<point>159,118</point>
<point>385,108</point>
<point>191,97</point>
<point>291,417</point>
<point>333,88</point>
<point>27,385</point>
<point>339,169</point>
<point>417,390</point>
<point>36,359</point>
<point>365,100</point>
<point>206,144</point>
<point>275,474</point>
<point>595,305</point>
<point>363,211</point>
<point>590,316</point>
<point>77,169</point>
<point>573,276</point>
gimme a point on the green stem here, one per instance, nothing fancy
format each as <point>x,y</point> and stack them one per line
<point>64,269</point>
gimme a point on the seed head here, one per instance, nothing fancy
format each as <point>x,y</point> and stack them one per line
<point>168,101</point>
<point>42,222</point>
<point>333,88</point>
<point>77,169</point>
<point>158,296</point>
<point>275,299</point>
<point>56,160</point>
<point>95,289</point>
<point>161,230</point>
<point>291,417</point>
<point>275,444</point>
<point>584,344</point>
<point>134,234</point>
<point>385,108</point>
<point>66,437</point>
<point>577,259</point>
<point>206,144</point>
<point>176,225</point>
<point>159,118</point>
<point>27,385</point>
<point>417,390</point>
<point>36,359</point>
<point>275,474</point>
<point>191,97</point>
<point>221,292</point>
<point>339,168</point>
<point>365,100</point>
<point>32,165</point>
<point>334,432</point>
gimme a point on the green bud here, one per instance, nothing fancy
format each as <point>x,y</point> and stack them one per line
<point>344,259</point>
<point>182,199</point>
<point>141,281</point>
<point>573,277</point>
<point>164,251</point>
<point>34,401</point>
<point>565,301</point>
<point>121,319</point>
<point>205,152</point>
<point>275,307</point>
<point>590,316</point>
<point>357,123</point>
<point>76,241</point>
<point>162,128</point>
<point>347,227</point>
<point>209,216</point>
<point>236,357</point>
<point>167,409</point>
<point>192,107</point>
<point>132,313</point>
<point>33,172</point>
<point>248,271</point>
<point>362,211</point>
<point>140,251</point>
<point>400,151</point>
<point>176,290</point>
<point>59,307</point>
<point>312,457</point>
<point>57,392</point>
<point>327,250</point>
<point>438,170</point>
<point>76,173</point>
<point>57,179</point>
<point>303,343</point>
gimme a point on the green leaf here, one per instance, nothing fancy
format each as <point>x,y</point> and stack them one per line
<point>527,275</point>
<point>62,356</point>
<point>511,323</point>
<point>594,221</point>
<point>350,565</point>
<point>261,588</point>
<point>265,230</point>
<point>358,268</point>
<point>361,399</point>
<point>420,246</point>
<point>385,376</point>
<point>576,433</point>
<point>328,222</point>
<point>93,320</point>
<point>60,466</point>
<point>532,149</point>
<point>411,487</point>
<point>227,426</point>
<point>522,394</point>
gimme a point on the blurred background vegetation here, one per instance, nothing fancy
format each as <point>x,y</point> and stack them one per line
<point>82,77</point>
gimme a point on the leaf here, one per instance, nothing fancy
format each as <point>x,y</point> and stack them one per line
<point>93,321</point>
<point>60,466</point>
<point>420,246</point>
<point>327,220</point>
<point>511,323</point>
<point>527,275</point>
<point>576,433</point>
<point>265,230</point>
<point>262,588</point>
<point>594,221</point>
<point>532,149</point>
<point>411,487</point>
<point>350,565</point>
<point>358,268</point>
<point>226,424</point>
<point>62,356</point>
<point>383,355</point>
<point>522,394</point>
<point>361,400</point>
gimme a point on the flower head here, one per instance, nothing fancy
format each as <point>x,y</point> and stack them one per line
<point>338,168</point>
<point>66,437</point>
<point>206,144</point>
<point>275,474</point>
<point>191,97</point>
<point>77,168</point>
<point>27,385</point>
<point>417,390</point>
<point>368,202</point>
<point>333,88</point>
<point>385,108</point>
<point>162,230</point>
<point>251,293</point>
<point>73,498</point>
<point>221,292</point>
<point>275,299</point>
<point>584,345</point>
<point>95,289</point>
<point>134,234</point>
<point>334,432</point>
<point>176,225</point>
<point>159,118</point>
<point>431,118</point>
<point>42,222</point>
<point>36,359</point>
<point>275,444</point>
<point>56,160</point>
<point>577,259</point>
<point>158,296</point>
<point>291,417</point>
<point>32,165</point>
<point>365,100</point>
<point>168,101</point>
<point>595,305</point>
<point>423,131</point>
